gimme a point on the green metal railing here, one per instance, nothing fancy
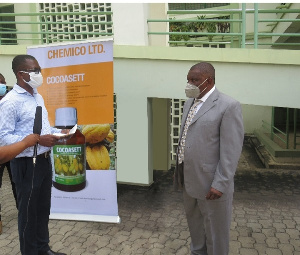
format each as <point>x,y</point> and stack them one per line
<point>38,31</point>
<point>231,35</point>
<point>275,132</point>
<point>287,135</point>
<point>295,129</point>
<point>236,33</point>
<point>36,28</point>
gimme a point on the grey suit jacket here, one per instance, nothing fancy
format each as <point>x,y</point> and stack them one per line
<point>213,146</point>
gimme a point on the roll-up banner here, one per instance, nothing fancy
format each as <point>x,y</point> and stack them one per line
<point>78,79</point>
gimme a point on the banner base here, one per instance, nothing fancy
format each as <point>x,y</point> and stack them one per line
<point>85,217</point>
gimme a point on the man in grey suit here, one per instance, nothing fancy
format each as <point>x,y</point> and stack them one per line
<point>211,142</point>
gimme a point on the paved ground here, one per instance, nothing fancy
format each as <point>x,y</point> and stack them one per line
<point>266,218</point>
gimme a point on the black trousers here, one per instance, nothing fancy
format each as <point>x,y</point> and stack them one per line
<point>33,186</point>
<point>2,167</point>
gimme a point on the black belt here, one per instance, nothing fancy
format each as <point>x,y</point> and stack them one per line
<point>44,155</point>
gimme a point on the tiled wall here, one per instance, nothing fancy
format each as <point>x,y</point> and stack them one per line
<point>82,29</point>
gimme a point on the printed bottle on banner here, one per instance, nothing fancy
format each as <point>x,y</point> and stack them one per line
<point>69,160</point>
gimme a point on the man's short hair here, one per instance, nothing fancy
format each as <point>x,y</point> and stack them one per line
<point>205,68</point>
<point>18,61</point>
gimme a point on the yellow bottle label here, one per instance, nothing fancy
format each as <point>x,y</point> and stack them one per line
<point>69,164</point>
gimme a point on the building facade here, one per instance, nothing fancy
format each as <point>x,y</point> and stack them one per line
<point>254,48</point>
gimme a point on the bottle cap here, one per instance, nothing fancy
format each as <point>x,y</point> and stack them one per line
<point>66,116</point>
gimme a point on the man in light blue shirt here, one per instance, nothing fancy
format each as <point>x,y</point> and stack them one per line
<point>33,182</point>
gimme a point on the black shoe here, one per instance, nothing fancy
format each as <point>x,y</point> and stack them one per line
<point>50,252</point>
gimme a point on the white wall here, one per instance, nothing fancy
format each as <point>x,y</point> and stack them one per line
<point>26,8</point>
<point>262,26</point>
<point>257,78</point>
<point>6,56</point>
<point>158,11</point>
<point>262,78</point>
<point>253,115</point>
<point>130,23</point>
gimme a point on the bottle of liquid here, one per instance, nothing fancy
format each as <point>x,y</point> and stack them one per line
<point>69,160</point>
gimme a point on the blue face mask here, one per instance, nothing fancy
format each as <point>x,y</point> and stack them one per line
<point>2,89</point>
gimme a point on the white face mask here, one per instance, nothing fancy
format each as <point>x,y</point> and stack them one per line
<point>193,91</point>
<point>36,80</point>
<point>3,89</point>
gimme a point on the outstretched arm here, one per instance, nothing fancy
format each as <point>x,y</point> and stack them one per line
<point>8,152</point>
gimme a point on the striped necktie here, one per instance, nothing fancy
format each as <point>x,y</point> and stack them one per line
<point>191,114</point>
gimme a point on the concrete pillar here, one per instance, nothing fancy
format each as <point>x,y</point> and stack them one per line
<point>130,23</point>
<point>158,11</point>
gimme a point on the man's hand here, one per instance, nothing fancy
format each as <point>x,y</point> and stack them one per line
<point>213,194</point>
<point>31,140</point>
<point>48,140</point>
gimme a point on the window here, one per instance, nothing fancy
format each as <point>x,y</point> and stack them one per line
<point>7,37</point>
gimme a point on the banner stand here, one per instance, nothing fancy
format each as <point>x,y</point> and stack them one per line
<point>85,217</point>
<point>80,75</point>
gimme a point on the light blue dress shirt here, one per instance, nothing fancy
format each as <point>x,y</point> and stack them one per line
<point>17,114</point>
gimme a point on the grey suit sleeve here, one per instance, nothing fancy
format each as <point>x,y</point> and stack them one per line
<point>231,142</point>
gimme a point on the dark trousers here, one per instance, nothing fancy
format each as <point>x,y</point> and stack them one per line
<point>33,186</point>
<point>2,167</point>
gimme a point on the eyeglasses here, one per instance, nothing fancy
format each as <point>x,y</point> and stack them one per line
<point>36,71</point>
